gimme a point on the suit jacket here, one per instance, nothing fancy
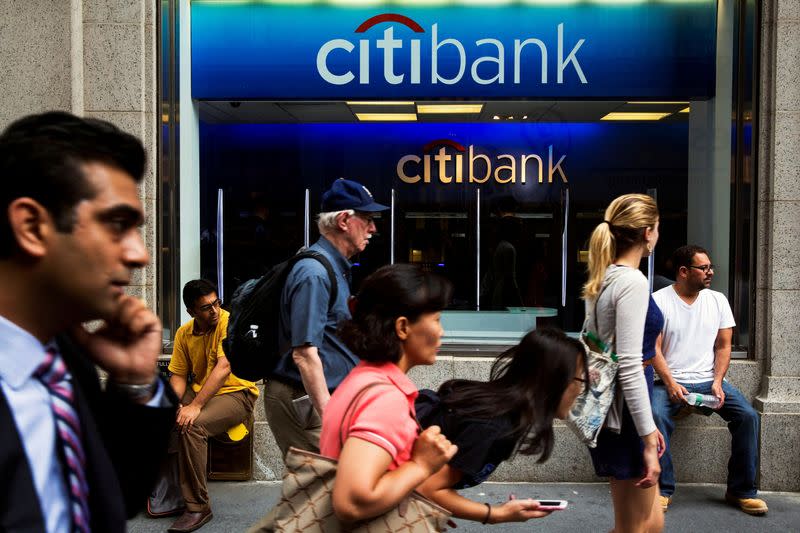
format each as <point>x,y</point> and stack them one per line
<point>124,443</point>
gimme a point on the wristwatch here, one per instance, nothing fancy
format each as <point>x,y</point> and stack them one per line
<point>136,392</point>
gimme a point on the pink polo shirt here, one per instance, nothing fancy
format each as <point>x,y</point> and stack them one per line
<point>380,416</point>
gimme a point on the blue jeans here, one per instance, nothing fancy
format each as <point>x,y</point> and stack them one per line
<point>742,422</point>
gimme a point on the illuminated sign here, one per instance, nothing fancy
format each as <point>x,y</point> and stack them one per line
<point>260,50</point>
<point>437,42</point>
<point>466,165</point>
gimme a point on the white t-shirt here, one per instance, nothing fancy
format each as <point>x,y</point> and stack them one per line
<point>690,332</point>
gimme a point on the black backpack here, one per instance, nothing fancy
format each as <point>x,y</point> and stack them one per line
<point>251,345</point>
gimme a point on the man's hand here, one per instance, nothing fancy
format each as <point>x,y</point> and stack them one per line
<point>716,390</point>
<point>676,392</point>
<point>127,347</point>
<point>187,415</point>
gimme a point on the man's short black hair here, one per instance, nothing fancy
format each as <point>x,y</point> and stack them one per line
<point>41,158</point>
<point>195,289</point>
<point>683,256</point>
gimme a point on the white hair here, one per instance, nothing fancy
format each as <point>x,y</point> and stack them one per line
<point>326,222</point>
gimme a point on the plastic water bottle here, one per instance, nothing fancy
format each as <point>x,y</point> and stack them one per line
<point>702,400</point>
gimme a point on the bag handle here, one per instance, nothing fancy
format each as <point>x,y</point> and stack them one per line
<point>357,397</point>
<point>594,337</point>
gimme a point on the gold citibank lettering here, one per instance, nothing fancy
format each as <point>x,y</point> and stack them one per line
<point>478,168</point>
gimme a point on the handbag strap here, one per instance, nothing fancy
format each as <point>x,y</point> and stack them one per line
<point>585,331</point>
<point>353,402</point>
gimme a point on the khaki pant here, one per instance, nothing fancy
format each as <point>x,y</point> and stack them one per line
<point>217,416</point>
<point>285,422</point>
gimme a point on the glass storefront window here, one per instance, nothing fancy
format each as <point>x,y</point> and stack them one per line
<point>501,201</point>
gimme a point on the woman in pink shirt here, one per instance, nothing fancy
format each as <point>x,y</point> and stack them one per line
<point>369,424</point>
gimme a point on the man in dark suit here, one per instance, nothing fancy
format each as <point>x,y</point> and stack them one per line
<point>74,456</point>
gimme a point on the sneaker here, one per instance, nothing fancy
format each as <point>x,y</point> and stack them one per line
<point>755,506</point>
<point>665,501</point>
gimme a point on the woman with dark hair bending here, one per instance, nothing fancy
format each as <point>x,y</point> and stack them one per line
<point>530,385</point>
<point>369,423</point>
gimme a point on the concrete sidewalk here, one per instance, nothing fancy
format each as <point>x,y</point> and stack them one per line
<point>698,508</point>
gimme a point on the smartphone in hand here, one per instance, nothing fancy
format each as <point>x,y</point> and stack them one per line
<point>552,505</point>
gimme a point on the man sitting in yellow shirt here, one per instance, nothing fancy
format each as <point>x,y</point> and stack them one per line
<point>216,400</point>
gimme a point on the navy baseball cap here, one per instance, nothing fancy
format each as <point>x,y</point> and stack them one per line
<point>347,194</point>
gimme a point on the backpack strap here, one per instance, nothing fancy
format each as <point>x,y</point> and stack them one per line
<point>312,254</point>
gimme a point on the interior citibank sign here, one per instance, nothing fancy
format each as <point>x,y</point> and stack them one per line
<point>454,163</point>
<point>321,50</point>
<point>434,46</point>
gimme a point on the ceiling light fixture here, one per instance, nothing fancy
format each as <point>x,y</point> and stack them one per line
<point>380,103</point>
<point>658,103</point>
<point>386,117</point>
<point>634,116</point>
<point>448,109</point>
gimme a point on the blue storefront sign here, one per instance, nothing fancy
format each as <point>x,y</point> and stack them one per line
<point>261,50</point>
<point>432,164</point>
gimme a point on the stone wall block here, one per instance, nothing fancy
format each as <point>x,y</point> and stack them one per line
<point>784,317</point>
<point>430,377</point>
<point>788,10</point>
<point>267,460</point>
<point>787,154</point>
<point>115,11</point>
<point>569,461</point>
<point>787,66</point>
<point>780,440</point>
<point>786,246</point>
<point>35,54</point>
<point>476,368</point>
<point>761,326</point>
<point>763,245</point>
<point>700,455</point>
<point>113,67</point>
<point>128,121</point>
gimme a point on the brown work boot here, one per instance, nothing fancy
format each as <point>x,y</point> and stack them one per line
<point>664,501</point>
<point>754,506</point>
<point>190,521</point>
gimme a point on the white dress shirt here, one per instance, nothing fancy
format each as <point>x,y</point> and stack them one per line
<point>20,355</point>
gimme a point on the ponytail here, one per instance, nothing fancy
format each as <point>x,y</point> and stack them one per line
<point>602,251</point>
<point>626,218</point>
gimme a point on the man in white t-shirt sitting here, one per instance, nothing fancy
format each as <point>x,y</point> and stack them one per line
<point>692,355</point>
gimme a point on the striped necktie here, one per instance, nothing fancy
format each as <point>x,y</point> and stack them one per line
<point>53,375</point>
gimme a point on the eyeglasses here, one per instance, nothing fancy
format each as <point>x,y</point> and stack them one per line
<point>702,268</point>
<point>580,380</point>
<point>206,308</point>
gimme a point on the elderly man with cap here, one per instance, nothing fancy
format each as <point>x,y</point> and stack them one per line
<point>301,384</point>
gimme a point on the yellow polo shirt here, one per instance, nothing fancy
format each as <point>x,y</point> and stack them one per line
<point>198,354</point>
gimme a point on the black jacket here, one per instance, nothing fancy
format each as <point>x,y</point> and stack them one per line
<point>123,442</point>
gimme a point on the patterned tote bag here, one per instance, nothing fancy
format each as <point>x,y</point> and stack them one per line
<point>592,405</point>
<point>306,502</point>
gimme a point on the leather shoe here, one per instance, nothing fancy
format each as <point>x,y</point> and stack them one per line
<point>754,506</point>
<point>190,521</point>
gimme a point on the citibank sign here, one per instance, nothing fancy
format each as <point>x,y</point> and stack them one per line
<point>518,63</point>
<point>583,50</point>
<point>455,163</point>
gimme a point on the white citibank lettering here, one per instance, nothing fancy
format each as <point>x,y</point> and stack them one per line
<point>496,54</point>
<point>464,165</point>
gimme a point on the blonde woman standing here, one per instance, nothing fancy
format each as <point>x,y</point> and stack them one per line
<point>617,295</point>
